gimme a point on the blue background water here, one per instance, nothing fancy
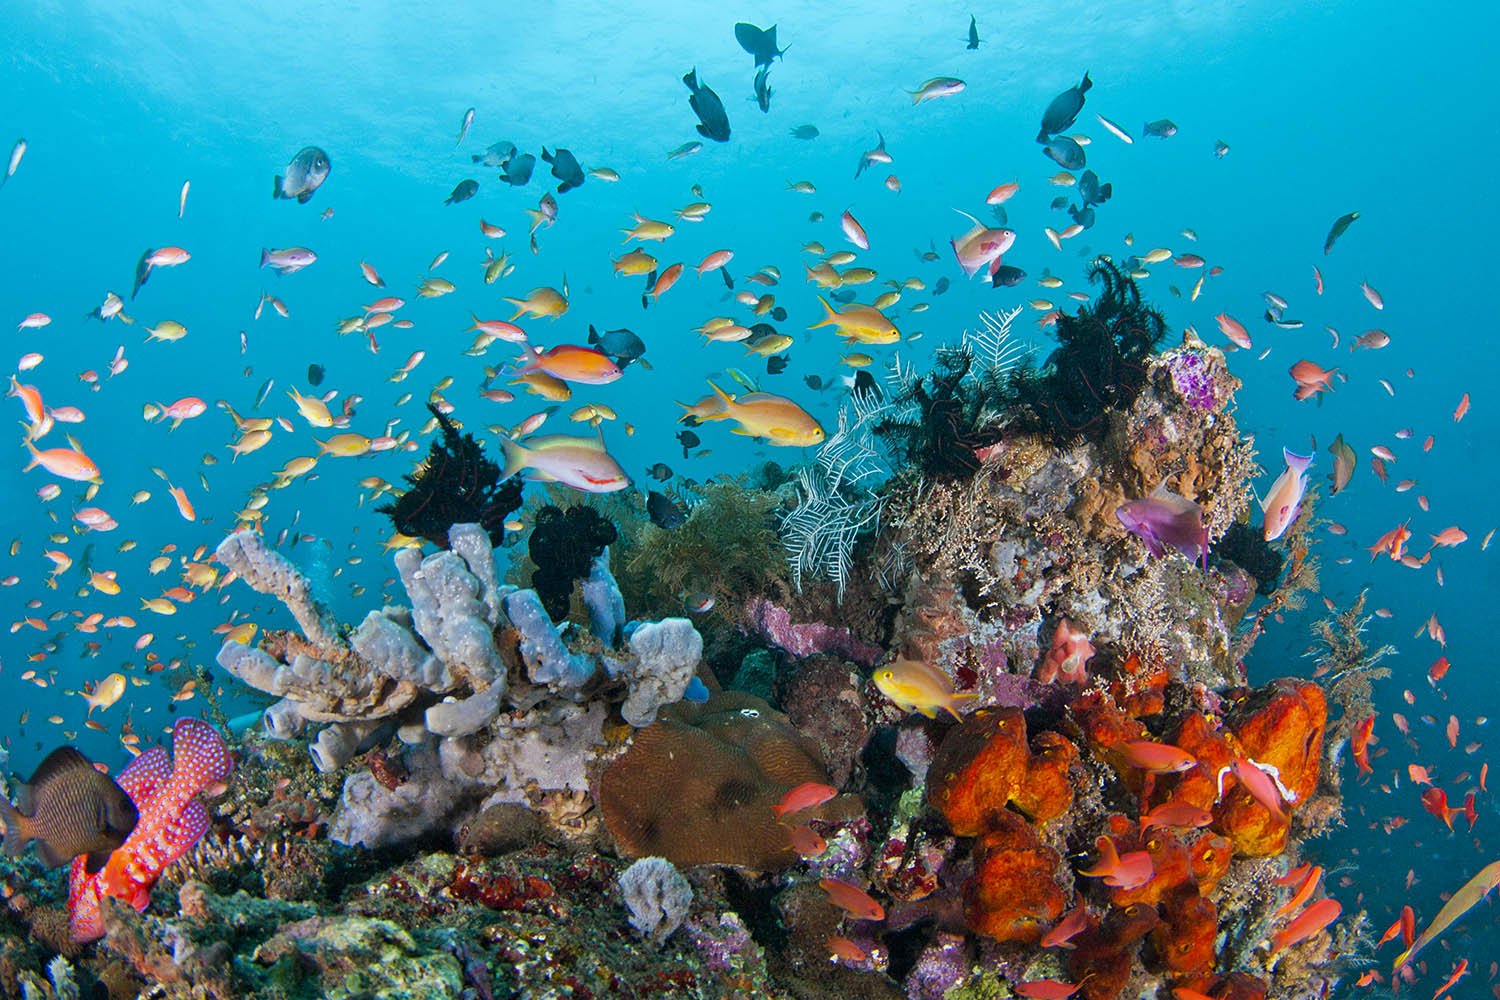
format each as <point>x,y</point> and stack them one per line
<point>1327,108</point>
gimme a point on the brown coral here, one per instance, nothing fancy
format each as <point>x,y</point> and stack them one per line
<point>697,786</point>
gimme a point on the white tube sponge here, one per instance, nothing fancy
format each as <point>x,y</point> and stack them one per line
<point>666,660</point>
<point>605,602</point>
<point>255,667</point>
<point>470,715</point>
<point>395,652</point>
<point>246,553</point>
<point>448,615</point>
<point>284,720</point>
<point>657,896</point>
<point>547,657</point>
<point>337,744</point>
<point>473,545</point>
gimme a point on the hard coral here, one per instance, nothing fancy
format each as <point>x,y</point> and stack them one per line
<point>697,786</point>
<point>456,484</point>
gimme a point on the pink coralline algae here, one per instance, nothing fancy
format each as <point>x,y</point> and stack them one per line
<point>775,624</point>
<point>1193,380</point>
<point>165,792</point>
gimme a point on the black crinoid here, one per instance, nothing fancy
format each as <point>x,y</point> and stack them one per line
<point>940,419</point>
<point>1099,364</point>
<point>455,484</point>
<point>563,545</point>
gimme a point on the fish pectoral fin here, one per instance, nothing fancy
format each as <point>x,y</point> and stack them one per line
<point>96,860</point>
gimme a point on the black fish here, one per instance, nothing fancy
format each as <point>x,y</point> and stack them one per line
<point>621,346</point>
<point>1006,276</point>
<point>1162,128</point>
<point>1340,224</point>
<point>1221,148</point>
<point>661,472</point>
<point>1059,202</point>
<point>68,808</point>
<point>776,363</point>
<point>973,33</point>
<point>728,280</point>
<point>843,296</point>
<point>1065,152</point>
<point>304,175</point>
<point>763,87</point>
<point>315,375</point>
<point>1083,216</point>
<point>142,270</point>
<point>709,109</point>
<point>1002,217</point>
<point>663,512</point>
<point>518,170</point>
<point>688,440</point>
<point>1063,110</point>
<point>941,286</point>
<point>863,383</point>
<point>496,154</point>
<point>462,192</point>
<point>805,132</point>
<point>814,382</point>
<point>778,314</point>
<point>760,43</point>
<point>565,168</point>
<point>1091,191</point>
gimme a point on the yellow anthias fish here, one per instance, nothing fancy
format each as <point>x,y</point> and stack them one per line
<point>1157,255</point>
<point>634,263</point>
<point>160,605</point>
<point>648,229</point>
<point>775,418</point>
<point>913,686</point>
<point>841,257</point>
<point>313,409</point>
<point>543,303</point>
<point>824,276</point>
<point>431,288</point>
<point>105,693</point>
<point>348,445</point>
<point>242,633</point>
<point>104,582</point>
<point>859,324</point>
<point>167,329</point>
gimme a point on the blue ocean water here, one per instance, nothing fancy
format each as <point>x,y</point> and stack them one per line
<point>1326,108</point>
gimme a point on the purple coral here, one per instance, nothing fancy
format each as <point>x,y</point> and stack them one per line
<point>942,965</point>
<point>1193,380</point>
<point>803,640</point>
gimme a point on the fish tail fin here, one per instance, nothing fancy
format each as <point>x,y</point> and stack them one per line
<point>515,458</point>
<point>691,79</point>
<point>1083,88</point>
<point>830,315</point>
<point>276,188</point>
<point>966,696</point>
<point>520,308</point>
<point>13,827</point>
<point>1296,462</point>
<point>728,399</point>
<point>916,97</point>
<point>265,256</point>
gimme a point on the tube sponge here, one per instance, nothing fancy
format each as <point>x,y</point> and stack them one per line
<point>267,572</point>
<point>666,661</point>
<point>546,656</point>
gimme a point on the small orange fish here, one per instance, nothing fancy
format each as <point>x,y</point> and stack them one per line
<point>808,795</point>
<point>1311,920</point>
<point>852,899</point>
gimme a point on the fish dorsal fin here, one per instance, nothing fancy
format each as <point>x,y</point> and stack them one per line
<point>58,762</point>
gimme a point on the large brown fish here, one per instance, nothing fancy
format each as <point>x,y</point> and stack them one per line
<point>68,808</point>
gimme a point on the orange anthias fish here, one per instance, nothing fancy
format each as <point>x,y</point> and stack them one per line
<point>1392,542</point>
<point>1435,801</point>
<point>1309,922</point>
<point>808,795</point>
<point>1359,744</point>
<point>852,899</point>
<point>916,686</point>
<point>1130,871</point>
<point>1181,815</point>
<point>571,363</point>
<point>1303,893</point>
<point>1158,758</point>
<point>1047,989</point>
<point>1066,929</point>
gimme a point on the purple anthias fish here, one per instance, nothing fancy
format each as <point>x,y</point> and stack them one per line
<point>1165,519</point>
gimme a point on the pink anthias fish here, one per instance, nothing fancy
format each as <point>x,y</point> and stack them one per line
<point>1284,501</point>
<point>1067,659</point>
<point>981,247</point>
<point>579,462</point>
<point>1166,519</point>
